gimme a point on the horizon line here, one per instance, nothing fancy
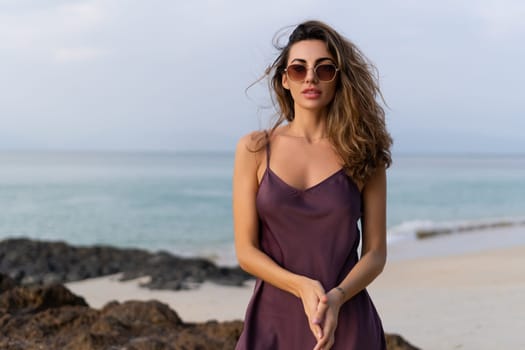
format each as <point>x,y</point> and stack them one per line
<point>431,153</point>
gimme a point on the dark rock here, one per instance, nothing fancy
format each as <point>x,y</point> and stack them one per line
<point>466,227</point>
<point>6,283</point>
<point>424,233</point>
<point>51,278</point>
<point>35,298</point>
<point>51,317</point>
<point>137,314</point>
<point>36,262</point>
<point>396,342</point>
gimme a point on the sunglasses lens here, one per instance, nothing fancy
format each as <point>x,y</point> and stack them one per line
<point>296,72</point>
<point>325,72</point>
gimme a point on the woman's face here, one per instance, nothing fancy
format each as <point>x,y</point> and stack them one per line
<point>311,93</point>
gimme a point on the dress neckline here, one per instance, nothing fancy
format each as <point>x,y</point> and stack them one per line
<point>320,183</point>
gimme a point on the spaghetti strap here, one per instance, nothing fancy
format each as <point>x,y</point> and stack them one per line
<point>267,150</point>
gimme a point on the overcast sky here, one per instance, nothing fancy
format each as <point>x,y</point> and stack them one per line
<point>171,75</point>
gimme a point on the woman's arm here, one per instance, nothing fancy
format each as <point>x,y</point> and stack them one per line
<point>246,229</point>
<point>373,250</point>
<point>371,264</point>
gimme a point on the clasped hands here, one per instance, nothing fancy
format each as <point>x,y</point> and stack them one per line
<point>322,311</point>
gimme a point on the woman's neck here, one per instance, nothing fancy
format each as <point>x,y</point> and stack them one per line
<point>309,125</point>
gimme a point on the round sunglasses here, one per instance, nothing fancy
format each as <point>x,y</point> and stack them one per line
<point>325,72</point>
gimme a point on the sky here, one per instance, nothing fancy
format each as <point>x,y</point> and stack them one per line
<point>172,75</point>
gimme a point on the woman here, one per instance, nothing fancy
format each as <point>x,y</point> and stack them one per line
<point>298,193</point>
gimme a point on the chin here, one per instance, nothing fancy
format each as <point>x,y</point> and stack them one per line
<point>314,106</point>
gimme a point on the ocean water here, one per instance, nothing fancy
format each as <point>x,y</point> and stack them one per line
<point>181,202</point>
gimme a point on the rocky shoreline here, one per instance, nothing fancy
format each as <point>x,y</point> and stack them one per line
<point>38,312</point>
<point>51,317</point>
<point>467,227</point>
<point>31,262</point>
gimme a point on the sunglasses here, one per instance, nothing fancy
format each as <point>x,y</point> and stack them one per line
<point>325,72</point>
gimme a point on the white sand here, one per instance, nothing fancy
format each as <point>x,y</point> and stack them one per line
<point>463,291</point>
<point>207,302</point>
<point>472,301</point>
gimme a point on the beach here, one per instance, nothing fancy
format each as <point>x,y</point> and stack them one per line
<point>459,291</point>
<point>457,286</point>
<point>470,300</point>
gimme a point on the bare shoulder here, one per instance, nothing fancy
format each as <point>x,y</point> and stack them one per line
<point>250,149</point>
<point>252,141</point>
<point>257,140</point>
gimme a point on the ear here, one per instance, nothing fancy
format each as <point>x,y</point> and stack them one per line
<point>284,81</point>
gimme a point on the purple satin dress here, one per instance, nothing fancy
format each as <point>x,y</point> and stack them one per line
<point>314,233</point>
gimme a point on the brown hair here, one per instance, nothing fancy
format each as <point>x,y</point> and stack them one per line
<point>355,121</point>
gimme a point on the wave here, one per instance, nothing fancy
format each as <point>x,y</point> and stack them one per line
<point>223,253</point>
<point>421,229</point>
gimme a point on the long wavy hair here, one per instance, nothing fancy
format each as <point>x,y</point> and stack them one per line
<point>355,119</point>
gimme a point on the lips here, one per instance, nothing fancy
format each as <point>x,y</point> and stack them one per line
<point>311,93</point>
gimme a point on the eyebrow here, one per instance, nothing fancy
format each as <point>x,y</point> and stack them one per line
<point>316,61</point>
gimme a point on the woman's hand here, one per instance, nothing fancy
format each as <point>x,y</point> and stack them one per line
<point>311,291</point>
<point>326,317</point>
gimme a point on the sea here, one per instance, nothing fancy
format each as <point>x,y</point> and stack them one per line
<point>180,202</point>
